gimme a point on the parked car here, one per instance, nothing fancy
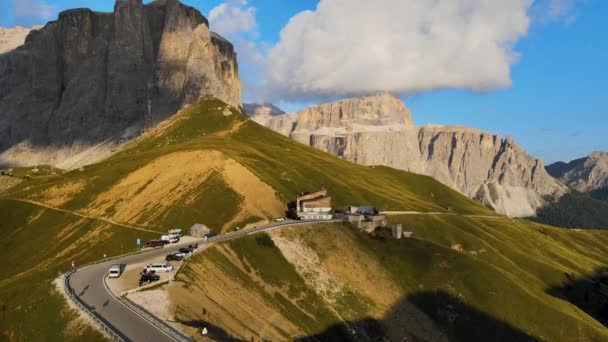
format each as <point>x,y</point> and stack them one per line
<point>115,271</point>
<point>155,243</point>
<point>181,254</point>
<point>148,278</point>
<point>174,257</point>
<point>279,219</point>
<point>178,232</point>
<point>170,238</point>
<point>166,267</point>
<point>186,250</point>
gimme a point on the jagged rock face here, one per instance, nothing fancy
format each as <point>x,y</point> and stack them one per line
<point>585,174</point>
<point>493,170</point>
<point>10,38</point>
<point>90,81</point>
<point>362,113</point>
<point>269,115</point>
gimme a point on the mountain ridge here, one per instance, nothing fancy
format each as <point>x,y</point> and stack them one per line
<point>103,78</point>
<point>378,130</point>
<point>583,174</point>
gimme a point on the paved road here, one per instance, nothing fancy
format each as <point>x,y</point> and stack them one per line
<point>88,284</point>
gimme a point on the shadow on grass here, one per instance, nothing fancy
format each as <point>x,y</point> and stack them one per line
<point>426,316</point>
<point>588,293</point>
<point>213,332</point>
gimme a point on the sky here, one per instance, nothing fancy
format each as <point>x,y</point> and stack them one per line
<point>535,70</point>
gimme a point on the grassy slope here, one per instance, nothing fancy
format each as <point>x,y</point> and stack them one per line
<point>286,166</point>
<point>576,210</point>
<point>495,287</point>
<point>39,244</point>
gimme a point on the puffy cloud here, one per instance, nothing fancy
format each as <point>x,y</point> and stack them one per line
<point>233,18</point>
<point>347,47</point>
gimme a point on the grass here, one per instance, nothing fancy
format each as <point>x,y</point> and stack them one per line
<point>295,301</point>
<point>214,203</point>
<point>39,244</point>
<point>520,258</point>
<point>501,290</point>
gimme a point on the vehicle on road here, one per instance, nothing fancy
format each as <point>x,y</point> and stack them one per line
<point>177,232</point>
<point>279,219</point>
<point>148,278</point>
<point>170,238</point>
<point>182,254</point>
<point>166,267</point>
<point>155,243</point>
<point>174,257</point>
<point>115,271</point>
<point>186,250</point>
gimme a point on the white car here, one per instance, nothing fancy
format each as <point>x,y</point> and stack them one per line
<point>115,271</point>
<point>181,254</point>
<point>171,238</point>
<point>165,267</point>
<point>279,219</point>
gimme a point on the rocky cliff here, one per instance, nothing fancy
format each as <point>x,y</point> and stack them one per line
<point>88,82</point>
<point>10,38</point>
<point>378,130</point>
<point>584,174</point>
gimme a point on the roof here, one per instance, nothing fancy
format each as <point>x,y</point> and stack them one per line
<point>365,209</point>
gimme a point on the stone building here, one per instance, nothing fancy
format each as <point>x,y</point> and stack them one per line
<point>365,217</point>
<point>314,206</point>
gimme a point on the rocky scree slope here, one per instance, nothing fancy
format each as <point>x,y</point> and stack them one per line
<point>87,82</point>
<point>378,130</point>
<point>584,174</point>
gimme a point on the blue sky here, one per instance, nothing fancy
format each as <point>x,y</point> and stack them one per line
<point>555,105</point>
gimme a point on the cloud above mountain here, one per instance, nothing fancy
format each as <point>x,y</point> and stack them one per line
<point>233,18</point>
<point>346,47</point>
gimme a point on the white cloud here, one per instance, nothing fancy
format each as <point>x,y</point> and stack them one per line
<point>347,47</point>
<point>233,18</point>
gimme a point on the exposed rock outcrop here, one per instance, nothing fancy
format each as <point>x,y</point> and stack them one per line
<point>584,174</point>
<point>10,38</point>
<point>378,130</point>
<point>88,82</point>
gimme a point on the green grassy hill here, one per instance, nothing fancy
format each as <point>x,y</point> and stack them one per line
<point>211,165</point>
<point>576,210</point>
<point>459,279</point>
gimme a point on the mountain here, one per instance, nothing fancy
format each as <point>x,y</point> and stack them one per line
<point>587,204</point>
<point>85,84</point>
<point>10,38</point>
<point>585,174</point>
<point>209,164</point>
<point>378,130</point>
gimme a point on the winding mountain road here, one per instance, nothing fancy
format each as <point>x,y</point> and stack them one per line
<point>88,283</point>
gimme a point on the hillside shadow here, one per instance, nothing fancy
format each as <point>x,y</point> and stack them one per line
<point>425,316</point>
<point>213,332</point>
<point>589,293</point>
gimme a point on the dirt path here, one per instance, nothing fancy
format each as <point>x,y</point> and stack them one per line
<point>75,213</point>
